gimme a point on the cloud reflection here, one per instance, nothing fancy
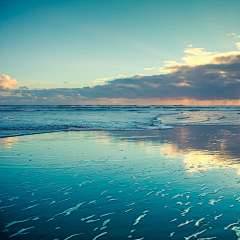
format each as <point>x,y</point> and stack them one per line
<point>200,147</point>
<point>7,142</point>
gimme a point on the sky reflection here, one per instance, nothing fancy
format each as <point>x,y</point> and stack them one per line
<point>7,141</point>
<point>162,174</point>
<point>199,147</point>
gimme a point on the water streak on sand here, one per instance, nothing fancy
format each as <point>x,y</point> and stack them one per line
<point>21,232</point>
<point>100,235</point>
<point>76,234</point>
<point>237,231</point>
<point>185,211</point>
<point>216,217</point>
<point>106,222</point>
<point>93,220</point>
<point>138,219</point>
<point>83,219</point>
<point>7,206</point>
<point>15,222</point>
<point>106,214</point>
<point>185,223</point>
<point>198,222</point>
<point>195,235</point>
<point>232,224</point>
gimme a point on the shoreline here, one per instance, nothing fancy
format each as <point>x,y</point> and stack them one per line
<point>119,130</point>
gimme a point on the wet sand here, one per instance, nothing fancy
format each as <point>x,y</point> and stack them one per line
<point>178,183</point>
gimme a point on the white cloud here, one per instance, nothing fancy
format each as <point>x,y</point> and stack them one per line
<point>195,57</point>
<point>148,69</point>
<point>231,34</point>
<point>201,77</point>
<point>121,76</point>
<point>238,45</point>
<point>103,80</point>
<point>197,51</point>
<point>182,84</point>
<point>6,83</point>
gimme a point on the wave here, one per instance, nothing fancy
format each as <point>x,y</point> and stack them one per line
<point>111,107</point>
<point>25,119</point>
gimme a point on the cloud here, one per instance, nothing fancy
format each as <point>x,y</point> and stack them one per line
<point>23,88</point>
<point>197,51</point>
<point>238,45</point>
<point>148,69</point>
<point>233,34</point>
<point>213,80</point>
<point>6,83</point>
<point>104,80</point>
<point>194,57</point>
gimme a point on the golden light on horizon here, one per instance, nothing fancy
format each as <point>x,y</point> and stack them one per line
<point>158,101</point>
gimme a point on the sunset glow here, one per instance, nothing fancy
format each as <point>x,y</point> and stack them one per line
<point>107,52</point>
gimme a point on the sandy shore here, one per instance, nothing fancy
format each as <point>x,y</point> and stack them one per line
<point>178,183</point>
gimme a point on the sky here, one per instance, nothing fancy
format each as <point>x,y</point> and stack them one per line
<point>120,52</point>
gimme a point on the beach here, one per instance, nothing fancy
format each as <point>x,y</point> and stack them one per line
<point>180,183</point>
<point>120,120</point>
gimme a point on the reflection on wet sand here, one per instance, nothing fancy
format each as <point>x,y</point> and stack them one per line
<point>7,142</point>
<point>221,141</point>
<point>201,147</point>
<point>177,183</point>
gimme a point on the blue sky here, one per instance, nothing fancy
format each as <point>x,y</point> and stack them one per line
<point>47,44</point>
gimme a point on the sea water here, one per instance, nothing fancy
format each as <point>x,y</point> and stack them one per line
<point>178,179</point>
<point>21,120</point>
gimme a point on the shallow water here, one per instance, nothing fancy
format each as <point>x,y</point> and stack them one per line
<point>178,183</point>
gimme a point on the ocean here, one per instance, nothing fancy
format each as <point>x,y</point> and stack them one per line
<point>22,120</point>
<point>120,172</point>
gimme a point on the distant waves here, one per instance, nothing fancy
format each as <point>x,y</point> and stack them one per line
<point>21,120</point>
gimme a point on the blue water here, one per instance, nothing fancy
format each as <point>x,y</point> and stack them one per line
<point>104,185</point>
<point>21,120</point>
<point>144,173</point>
